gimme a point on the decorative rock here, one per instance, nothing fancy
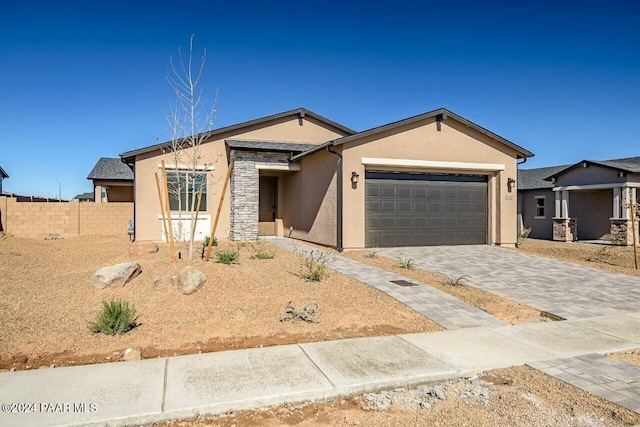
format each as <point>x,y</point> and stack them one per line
<point>116,275</point>
<point>139,249</point>
<point>131,354</point>
<point>189,280</point>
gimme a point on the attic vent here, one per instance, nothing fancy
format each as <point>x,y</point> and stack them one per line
<point>584,165</point>
<point>301,118</point>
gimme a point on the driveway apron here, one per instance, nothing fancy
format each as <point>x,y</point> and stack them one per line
<point>568,290</point>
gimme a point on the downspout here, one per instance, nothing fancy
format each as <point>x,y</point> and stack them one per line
<point>339,197</point>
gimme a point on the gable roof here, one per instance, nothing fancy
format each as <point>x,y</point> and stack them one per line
<point>300,112</point>
<point>535,179</point>
<point>3,174</point>
<point>440,114</point>
<point>110,168</point>
<point>274,146</point>
<point>628,164</point>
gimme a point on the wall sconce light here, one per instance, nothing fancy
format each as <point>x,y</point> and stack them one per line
<point>510,184</point>
<point>355,178</point>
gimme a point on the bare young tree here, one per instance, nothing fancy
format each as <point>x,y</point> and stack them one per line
<point>189,121</point>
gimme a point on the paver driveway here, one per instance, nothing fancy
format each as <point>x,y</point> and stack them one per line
<point>567,290</point>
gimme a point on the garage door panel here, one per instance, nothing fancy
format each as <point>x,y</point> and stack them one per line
<point>405,206</point>
<point>407,209</point>
<point>417,192</point>
<point>420,206</point>
<point>388,206</point>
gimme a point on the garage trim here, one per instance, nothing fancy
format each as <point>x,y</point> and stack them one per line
<point>374,161</point>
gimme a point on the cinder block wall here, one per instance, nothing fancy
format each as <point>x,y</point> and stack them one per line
<point>39,219</point>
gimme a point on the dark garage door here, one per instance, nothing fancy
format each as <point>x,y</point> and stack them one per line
<point>420,209</point>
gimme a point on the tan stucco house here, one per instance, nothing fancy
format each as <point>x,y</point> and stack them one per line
<point>583,201</point>
<point>112,181</point>
<point>432,179</point>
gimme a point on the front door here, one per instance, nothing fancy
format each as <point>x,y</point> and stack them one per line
<point>268,201</point>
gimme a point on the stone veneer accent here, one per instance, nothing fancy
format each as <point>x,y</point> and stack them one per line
<point>245,191</point>
<point>621,232</point>
<point>564,230</point>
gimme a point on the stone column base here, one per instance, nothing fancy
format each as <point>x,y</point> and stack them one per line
<point>564,230</point>
<point>621,234</point>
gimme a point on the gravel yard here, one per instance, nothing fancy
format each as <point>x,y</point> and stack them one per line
<point>47,301</point>
<point>618,259</point>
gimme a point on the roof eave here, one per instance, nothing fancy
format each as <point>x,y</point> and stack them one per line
<point>445,114</point>
<point>129,156</point>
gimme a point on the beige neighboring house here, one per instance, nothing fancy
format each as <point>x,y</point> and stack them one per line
<point>432,179</point>
<point>112,181</point>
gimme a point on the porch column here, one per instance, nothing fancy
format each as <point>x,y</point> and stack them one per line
<point>626,196</point>
<point>558,205</point>
<point>565,204</point>
<point>617,193</point>
<point>97,193</point>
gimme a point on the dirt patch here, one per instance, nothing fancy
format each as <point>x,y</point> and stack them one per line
<point>515,396</point>
<point>632,357</point>
<point>618,259</point>
<point>47,301</point>
<point>502,308</point>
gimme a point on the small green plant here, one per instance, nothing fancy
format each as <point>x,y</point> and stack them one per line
<point>457,281</point>
<point>314,265</point>
<point>407,263</point>
<point>261,251</point>
<point>371,254</point>
<point>228,256</point>
<point>116,317</point>
<point>205,244</point>
<point>206,241</point>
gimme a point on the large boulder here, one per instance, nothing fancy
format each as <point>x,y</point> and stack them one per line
<point>116,275</point>
<point>189,280</point>
<point>139,249</point>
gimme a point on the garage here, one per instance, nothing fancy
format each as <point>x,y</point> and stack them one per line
<point>425,209</point>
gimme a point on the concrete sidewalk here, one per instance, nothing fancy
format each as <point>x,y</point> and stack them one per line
<point>207,384</point>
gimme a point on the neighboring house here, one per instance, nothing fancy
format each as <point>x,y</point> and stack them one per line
<point>583,201</point>
<point>85,197</point>
<point>3,175</point>
<point>112,181</point>
<point>432,179</point>
<point>536,201</point>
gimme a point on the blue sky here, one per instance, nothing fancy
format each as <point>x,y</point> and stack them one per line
<point>82,80</point>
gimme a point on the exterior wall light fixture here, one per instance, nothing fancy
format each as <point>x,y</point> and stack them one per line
<point>355,178</point>
<point>510,183</point>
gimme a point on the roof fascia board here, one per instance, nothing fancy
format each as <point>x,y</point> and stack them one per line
<point>445,115</point>
<point>302,112</point>
<point>588,162</point>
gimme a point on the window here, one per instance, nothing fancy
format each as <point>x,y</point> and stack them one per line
<point>183,190</point>
<point>540,207</point>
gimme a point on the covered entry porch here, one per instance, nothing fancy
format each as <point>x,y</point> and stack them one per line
<point>595,212</point>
